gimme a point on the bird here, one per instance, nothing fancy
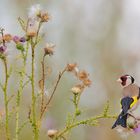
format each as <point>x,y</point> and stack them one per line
<point>130,89</point>
<point>130,101</point>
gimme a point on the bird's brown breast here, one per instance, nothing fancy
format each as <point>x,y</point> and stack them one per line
<point>131,90</point>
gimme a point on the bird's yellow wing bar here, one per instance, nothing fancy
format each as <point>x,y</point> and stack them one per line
<point>134,102</point>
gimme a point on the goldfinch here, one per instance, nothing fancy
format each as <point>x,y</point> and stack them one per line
<point>129,102</point>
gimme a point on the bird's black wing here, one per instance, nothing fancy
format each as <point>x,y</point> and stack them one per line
<point>121,120</point>
<point>126,102</point>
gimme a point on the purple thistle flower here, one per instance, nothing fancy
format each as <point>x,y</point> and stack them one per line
<point>16,39</point>
<point>22,39</point>
<point>2,49</point>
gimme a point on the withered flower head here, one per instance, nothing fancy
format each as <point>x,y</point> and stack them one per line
<point>82,75</point>
<point>77,89</point>
<point>7,37</point>
<point>32,27</point>
<point>31,34</point>
<point>36,12</point>
<point>52,132</point>
<point>87,82</point>
<point>45,17</point>
<point>49,49</point>
<point>71,67</point>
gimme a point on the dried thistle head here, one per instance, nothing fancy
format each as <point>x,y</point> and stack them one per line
<point>37,13</point>
<point>71,67</point>
<point>31,33</point>
<point>45,17</point>
<point>87,82</point>
<point>82,75</point>
<point>77,89</point>
<point>52,133</point>
<point>7,37</point>
<point>32,27</point>
<point>49,49</point>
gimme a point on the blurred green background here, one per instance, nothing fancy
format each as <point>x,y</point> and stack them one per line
<point>102,36</point>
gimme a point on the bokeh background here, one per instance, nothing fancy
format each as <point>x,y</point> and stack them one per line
<point>103,37</point>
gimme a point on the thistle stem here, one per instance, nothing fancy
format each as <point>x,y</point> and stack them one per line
<point>34,123</point>
<point>20,91</point>
<point>6,100</point>
<point>43,83</point>
<point>80,123</point>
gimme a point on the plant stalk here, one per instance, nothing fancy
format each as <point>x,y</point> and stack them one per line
<point>18,98</point>
<point>6,100</point>
<point>34,123</point>
<point>80,123</point>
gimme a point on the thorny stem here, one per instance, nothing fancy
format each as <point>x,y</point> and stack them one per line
<point>34,123</point>
<point>53,92</point>
<point>22,74</point>
<point>6,100</point>
<point>66,129</point>
<point>76,103</point>
<point>5,90</point>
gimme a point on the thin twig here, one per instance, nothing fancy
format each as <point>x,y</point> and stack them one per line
<point>43,83</point>
<point>36,39</point>
<point>26,83</point>
<point>10,98</point>
<point>22,126</point>
<point>53,92</point>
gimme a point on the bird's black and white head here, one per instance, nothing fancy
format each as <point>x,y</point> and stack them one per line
<point>126,80</point>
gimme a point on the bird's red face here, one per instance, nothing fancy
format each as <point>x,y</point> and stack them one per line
<point>126,80</point>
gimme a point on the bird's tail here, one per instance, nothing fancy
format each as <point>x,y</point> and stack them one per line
<point>121,120</point>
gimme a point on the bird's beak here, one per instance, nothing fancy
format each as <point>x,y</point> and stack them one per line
<point>119,80</point>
